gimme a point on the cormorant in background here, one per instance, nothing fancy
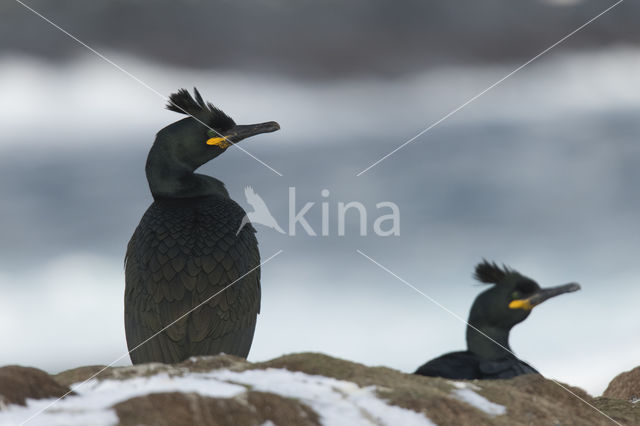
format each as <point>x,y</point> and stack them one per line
<point>185,248</point>
<point>494,312</point>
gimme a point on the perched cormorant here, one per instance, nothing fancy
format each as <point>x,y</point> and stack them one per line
<point>494,312</point>
<point>185,248</point>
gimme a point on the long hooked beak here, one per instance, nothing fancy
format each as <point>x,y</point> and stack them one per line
<point>542,295</point>
<point>239,132</point>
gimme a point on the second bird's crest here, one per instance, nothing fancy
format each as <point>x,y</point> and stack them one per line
<point>491,273</point>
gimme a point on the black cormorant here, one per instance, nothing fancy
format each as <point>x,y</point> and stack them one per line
<point>185,248</point>
<point>494,312</point>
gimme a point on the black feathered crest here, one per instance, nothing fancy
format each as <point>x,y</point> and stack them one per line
<point>490,273</point>
<point>183,103</point>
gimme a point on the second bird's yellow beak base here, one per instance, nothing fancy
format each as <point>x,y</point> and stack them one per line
<point>221,142</point>
<point>521,304</point>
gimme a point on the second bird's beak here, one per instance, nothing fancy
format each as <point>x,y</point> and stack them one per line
<point>237,133</point>
<point>542,295</point>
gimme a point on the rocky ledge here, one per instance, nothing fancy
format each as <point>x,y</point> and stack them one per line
<point>298,389</point>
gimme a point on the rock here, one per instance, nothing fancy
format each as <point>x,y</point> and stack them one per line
<point>178,409</point>
<point>624,412</point>
<point>19,383</point>
<point>192,365</point>
<point>208,363</point>
<point>625,386</point>
<point>304,389</point>
<point>529,399</point>
<point>80,374</point>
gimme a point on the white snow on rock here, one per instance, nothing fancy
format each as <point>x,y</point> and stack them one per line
<point>92,405</point>
<point>337,402</point>
<point>465,393</point>
<point>465,385</point>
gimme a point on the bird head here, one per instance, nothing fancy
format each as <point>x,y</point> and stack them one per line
<point>512,297</point>
<point>205,134</point>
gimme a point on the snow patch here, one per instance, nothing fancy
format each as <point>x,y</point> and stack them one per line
<point>463,385</point>
<point>465,393</point>
<point>337,402</point>
<point>92,405</point>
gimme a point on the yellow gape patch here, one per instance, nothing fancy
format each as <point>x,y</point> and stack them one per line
<point>222,142</point>
<point>521,304</point>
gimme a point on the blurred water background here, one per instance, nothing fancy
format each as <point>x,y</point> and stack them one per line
<point>540,173</point>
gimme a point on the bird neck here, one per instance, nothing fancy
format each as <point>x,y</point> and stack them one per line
<point>488,342</point>
<point>171,179</point>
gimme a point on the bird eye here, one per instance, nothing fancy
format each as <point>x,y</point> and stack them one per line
<point>516,294</point>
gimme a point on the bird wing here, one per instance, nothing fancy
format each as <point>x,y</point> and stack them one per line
<point>453,365</point>
<point>505,368</point>
<point>469,366</point>
<point>179,258</point>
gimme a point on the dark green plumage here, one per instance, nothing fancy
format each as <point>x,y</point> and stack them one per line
<point>494,312</point>
<point>185,249</point>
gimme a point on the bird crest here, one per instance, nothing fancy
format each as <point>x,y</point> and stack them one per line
<point>182,102</point>
<point>491,273</point>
